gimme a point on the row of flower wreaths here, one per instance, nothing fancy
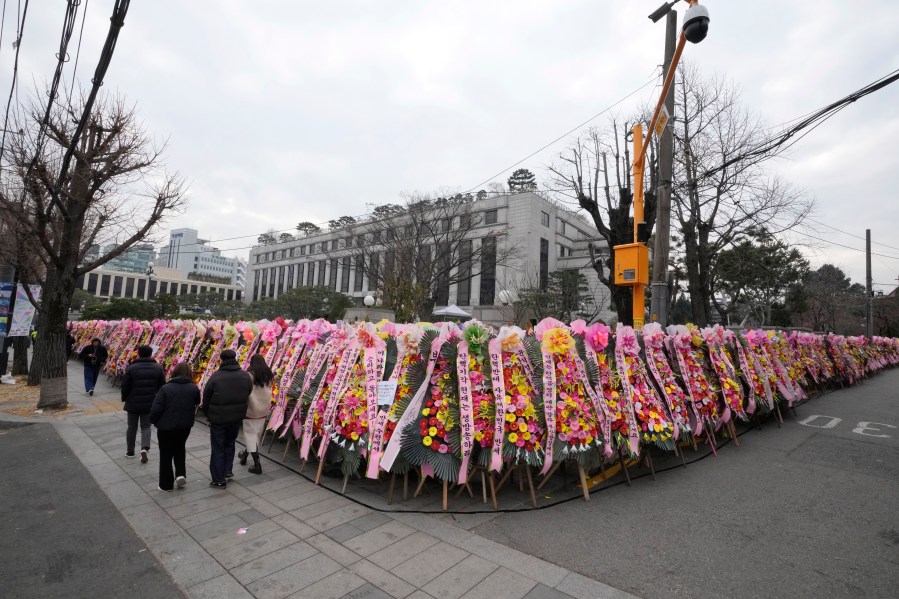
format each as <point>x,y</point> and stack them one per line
<point>447,398</point>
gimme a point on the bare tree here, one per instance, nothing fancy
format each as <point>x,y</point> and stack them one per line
<point>412,254</point>
<point>115,192</point>
<point>712,207</point>
<point>595,171</point>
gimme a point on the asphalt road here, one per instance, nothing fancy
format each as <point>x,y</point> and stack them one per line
<point>59,534</point>
<point>809,510</point>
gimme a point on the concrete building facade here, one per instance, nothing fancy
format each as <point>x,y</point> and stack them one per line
<point>187,253</point>
<point>538,235</point>
<point>108,284</point>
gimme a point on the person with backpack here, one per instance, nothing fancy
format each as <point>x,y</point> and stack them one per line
<point>173,415</point>
<point>142,380</point>
<point>225,399</point>
<point>257,410</point>
<point>93,356</point>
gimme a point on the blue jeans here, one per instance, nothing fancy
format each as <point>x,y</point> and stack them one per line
<point>90,376</point>
<point>223,437</point>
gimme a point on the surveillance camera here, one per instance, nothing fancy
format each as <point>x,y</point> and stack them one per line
<point>696,23</point>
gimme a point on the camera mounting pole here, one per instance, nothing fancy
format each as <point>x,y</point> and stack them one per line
<point>631,265</point>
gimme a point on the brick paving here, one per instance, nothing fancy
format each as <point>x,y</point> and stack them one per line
<point>301,540</point>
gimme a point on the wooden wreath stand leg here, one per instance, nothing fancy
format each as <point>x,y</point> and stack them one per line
<point>390,488</point>
<point>346,478</point>
<point>583,476</point>
<point>778,416</point>
<point>406,485</point>
<point>549,474</point>
<point>318,472</point>
<point>627,475</point>
<point>732,431</point>
<point>503,480</point>
<point>647,462</point>
<point>492,489</point>
<point>286,447</point>
<point>272,444</point>
<point>421,483</point>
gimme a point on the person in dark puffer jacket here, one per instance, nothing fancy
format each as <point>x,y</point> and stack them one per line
<point>173,414</point>
<point>142,380</point>
<point>225,399</point>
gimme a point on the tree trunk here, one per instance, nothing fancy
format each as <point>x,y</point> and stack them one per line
<point>49,363</point>
<point>623,299</point>
<point>20,357</point>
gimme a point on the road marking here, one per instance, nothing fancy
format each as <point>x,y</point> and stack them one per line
<point>871,426</point>
<point>808,421</point>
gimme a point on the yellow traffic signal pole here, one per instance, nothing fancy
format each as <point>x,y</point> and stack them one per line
<point>632,260</point>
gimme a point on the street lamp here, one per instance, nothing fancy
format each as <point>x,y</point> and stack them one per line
<point>150,272</point>
<point>369,301</point>
<point>631,264</point>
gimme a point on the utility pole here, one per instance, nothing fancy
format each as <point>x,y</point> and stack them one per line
<point>869,288</point>
<point>659,304</point>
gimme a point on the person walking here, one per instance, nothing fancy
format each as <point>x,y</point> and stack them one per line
<point>257,410</point>
<point>93,356</point>
<point>142,380</point>
<point>225,400</point>
<point>173,415</point>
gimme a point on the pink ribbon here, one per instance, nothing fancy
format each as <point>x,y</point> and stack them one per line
<point>376,436</point>
<point>466,430</point>
<point>549,408</point>
<point>600,407</point>
<point>499,393</point>
<point>338,387</point>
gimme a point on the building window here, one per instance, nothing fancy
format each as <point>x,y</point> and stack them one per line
<point>129,287</point>
<point>544,219</point>
<point>164,287</point>
<point>345,275</point>
<point>376,236</point>
<point>463,287</point>
<point>117,287</point>
<point>375,272</point>
<point>92,283</point>
<point>333,244</point>
<point>332,275</point>
<point>488,271</point>
<point>321,273</point>
<point>464,222</point>
<point>544,263</point>
<point>360,241</point>
<point>301,269</point>
<point>193,288</point>
<point>290,270</point>
<point>348,242</point>
<point>152,293</point>
<point>490,217</point>
<point>141,288</point>
<point>310,275</point>
<point>302,250</point>
<point>562,227</point>
<point>360,273</point>
<point>444,253</point>
<point>388,262</point>
<point>446,224</point>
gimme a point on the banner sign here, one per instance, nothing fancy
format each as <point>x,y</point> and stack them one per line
<point>24,311</point>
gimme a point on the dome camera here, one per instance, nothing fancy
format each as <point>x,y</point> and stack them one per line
<point>696,23</point>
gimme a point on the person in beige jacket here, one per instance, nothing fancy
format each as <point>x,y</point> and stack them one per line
<point>257,410</point>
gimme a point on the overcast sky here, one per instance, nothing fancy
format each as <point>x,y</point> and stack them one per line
<point>280,112</point>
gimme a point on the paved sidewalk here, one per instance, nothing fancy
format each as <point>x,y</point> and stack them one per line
<point>301,540</point>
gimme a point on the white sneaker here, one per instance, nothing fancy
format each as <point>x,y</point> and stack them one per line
<point>143,456</point>
<point>180,482</point>
<point>163,490</point>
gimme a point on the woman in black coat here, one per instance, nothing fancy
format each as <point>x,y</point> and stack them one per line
<point>173,414</point>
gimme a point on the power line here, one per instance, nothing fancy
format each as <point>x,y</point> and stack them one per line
<point>78,51</point>
<point>2,25</point>
<point>848,247</point>
<point>851,234</point>
<point>779,142</point>
<point>116,22</point>
<point>20,29</point>
<point>68,26</point>
<point>566,134</point>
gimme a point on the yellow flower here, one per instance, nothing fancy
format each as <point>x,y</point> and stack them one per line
<point>522,427</point>
<point>510,417</point>
<point>354,436</point>
<point>427,441</point>
<point>432,431</point>
<point>426,412</point>
<point>526,436</point>
<point>557,341</point>
<point>513,437</point>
